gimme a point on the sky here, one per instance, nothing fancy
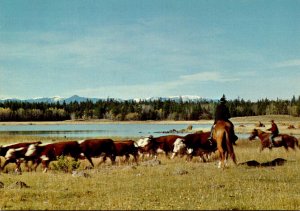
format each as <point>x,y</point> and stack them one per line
<point>126,49</point>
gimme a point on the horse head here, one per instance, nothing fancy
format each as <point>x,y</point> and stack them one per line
<point>253,134</point>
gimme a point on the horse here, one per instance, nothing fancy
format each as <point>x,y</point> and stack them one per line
<point>221,134</point>
<point>282,140</point>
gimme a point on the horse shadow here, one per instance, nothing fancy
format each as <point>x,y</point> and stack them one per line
<point>275,162</point>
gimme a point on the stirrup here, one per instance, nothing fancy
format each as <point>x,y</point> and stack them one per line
<point>209,139</point>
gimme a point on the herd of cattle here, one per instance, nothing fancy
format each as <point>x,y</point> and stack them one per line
<point>195,144</point>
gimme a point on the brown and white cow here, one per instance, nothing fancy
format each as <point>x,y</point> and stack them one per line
<point>15,153</point>
<point>126,148</point>
<point>45,153</point>
<point>195,144</point>
<point>153,145</point>
<point>91,148</point>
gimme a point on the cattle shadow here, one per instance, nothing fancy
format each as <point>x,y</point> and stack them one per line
<point>254,163</point>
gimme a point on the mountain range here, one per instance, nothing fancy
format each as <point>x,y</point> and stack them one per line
<point>184,98</point>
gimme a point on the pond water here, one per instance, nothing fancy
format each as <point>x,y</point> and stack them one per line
<point>93,130</point>
<point>99,130</point>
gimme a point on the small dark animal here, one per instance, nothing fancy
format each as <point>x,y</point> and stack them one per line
<point>126,148</point>
<point>275,162</point>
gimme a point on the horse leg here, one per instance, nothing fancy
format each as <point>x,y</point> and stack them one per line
<point>226,159</point>
<point>222,158</point>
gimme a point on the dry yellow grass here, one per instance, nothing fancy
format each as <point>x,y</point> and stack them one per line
<point>175,184</point>
<point>172,185</point>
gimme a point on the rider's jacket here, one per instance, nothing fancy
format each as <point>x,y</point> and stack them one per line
<point>274,129</point>
<point>222,112</point>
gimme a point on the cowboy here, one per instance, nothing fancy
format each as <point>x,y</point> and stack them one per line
<point>275,132</point>
<point>222,113</point>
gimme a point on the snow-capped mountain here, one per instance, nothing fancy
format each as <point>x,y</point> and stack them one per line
<point>76,98</point>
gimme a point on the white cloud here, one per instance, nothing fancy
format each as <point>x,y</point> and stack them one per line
<point>207,76</point>
<point>159,88</point>
<point>288,63</point>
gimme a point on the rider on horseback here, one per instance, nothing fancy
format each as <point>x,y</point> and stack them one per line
<point>222,113</point>
<point>275,132</point>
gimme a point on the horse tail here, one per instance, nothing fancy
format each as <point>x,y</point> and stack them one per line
<point>230,147</point>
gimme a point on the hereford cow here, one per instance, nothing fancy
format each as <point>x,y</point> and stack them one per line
<point>126,148</point>
<point>45,153</point>
<point>98,147</point>
<point>195,144</point>
<point>153,145</point>
<point>15,153</point>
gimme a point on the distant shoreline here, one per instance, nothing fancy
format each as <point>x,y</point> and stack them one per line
<point>236,120</point>
<point>242,124</point>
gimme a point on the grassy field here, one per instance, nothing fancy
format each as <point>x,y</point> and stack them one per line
<point>172,184</point>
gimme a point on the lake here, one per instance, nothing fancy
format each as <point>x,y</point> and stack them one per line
<point>95,130</point>
<point>100,130</point>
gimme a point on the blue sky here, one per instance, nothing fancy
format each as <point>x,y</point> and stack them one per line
<point>144,48</point>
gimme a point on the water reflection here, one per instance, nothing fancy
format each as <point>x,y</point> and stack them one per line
<point>94,130</point>
<point>100,130</point>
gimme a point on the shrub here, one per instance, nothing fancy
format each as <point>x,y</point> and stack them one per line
<point>64,164</point>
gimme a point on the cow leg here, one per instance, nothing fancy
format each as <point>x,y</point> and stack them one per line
<point>18,169</point>
<point>202,158</point>
<point>6,163</point>
<point>113,159</point>
<point>45,164</point>
<point>37,163</point>
<point>27,166</point>
<point>127,158</point>
<point>135,157</point>
<point>90,160</point>
<point>173,155</point>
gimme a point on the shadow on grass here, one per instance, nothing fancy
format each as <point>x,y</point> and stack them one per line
<point>275,162</point>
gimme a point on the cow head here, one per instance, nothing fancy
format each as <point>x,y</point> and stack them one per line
<point>179,146</point>
<point>144,144</point>
<point>31,150</point>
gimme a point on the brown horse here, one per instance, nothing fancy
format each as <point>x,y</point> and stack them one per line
<point>221,134</point>
<point>282,140</point>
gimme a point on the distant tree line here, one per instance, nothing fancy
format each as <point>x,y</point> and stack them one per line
<point>111,109</point>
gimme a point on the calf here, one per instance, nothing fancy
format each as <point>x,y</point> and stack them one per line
<point>98,147</point>
<point>126,148</point>
<point>196,144</point>
<point>15,153</point>
<point>153,145</point>
<point>46,153</point>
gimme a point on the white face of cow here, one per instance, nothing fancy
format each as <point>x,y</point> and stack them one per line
<point>11,153</point>
<point>143,142</point>
<point>31,150</point>
<point>179,146</point>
